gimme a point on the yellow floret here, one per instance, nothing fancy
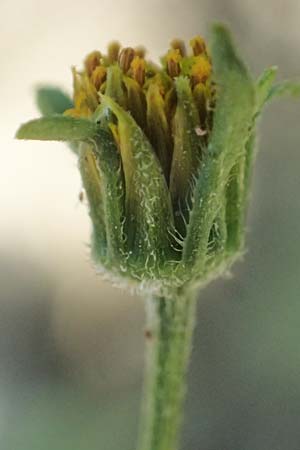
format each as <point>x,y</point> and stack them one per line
<point>138,67</point>
<point>201,70</point>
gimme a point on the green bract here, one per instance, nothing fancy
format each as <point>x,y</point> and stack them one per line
<point>167,205</point>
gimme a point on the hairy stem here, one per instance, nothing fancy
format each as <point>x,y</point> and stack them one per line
<point>170,321</point>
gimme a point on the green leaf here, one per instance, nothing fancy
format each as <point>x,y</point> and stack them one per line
<point>233,116</point>
<point>266,90</point>
<point>147,203</point>
<point>136,101</point>
<point>51,100</point>
<point>92,184</point>
<point>113,193</point>
<point>287,88</point>
<point>187,150</point>
<point>264,85</point>
<point>235,202</point>
<point>114,85</point>
<point>58,128</point>
<point>158,127</point>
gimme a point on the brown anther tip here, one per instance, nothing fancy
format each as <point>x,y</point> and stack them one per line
<point>178,44</point>
<point>92,61</point>
<point>198,45</point>
<point>173,57</point>
<point>125,58</point>
<point>113,49</point>
<point>173,68</point>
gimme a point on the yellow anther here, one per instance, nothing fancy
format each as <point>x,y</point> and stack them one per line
<point>130,85</point>
<point>125,58</point>
<point>98,77</point>
<point>138,67</point>
<point>113,51</point>
<point>173,59</point>
<point>178,44</point>
<point>201,70</point>
<point>198,45</point>
<point>92,61</point>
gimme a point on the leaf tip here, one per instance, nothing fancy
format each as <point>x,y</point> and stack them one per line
<point>20,134</point>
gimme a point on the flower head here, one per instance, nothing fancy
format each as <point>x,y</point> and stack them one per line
<point>159,98</point>
<point>165,154</point>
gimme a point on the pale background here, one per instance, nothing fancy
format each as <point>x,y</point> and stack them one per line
<point>71,347</point>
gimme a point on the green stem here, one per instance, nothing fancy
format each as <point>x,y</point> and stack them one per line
<point>170,321</point>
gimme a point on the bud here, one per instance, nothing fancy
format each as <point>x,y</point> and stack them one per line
<point>126,58</point>
<point>113,52</point>
<point>165,154</point>
<point>138,68</point>
<point>92,61</point>
<point>179,45</point>
<point>198,45</point>
<point>173,59</point>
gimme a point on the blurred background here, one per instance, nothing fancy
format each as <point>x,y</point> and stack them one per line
<point>71,346</point>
